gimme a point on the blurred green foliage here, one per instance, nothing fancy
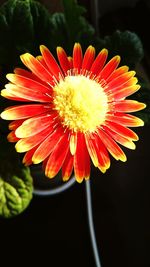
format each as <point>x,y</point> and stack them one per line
<point>26,24</point>
<point>126,44</point>
<point>16,185</point>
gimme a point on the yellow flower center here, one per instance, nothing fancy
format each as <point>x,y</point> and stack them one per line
<point>81,103</point>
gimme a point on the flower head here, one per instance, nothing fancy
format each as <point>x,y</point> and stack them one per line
<point>75,110</point>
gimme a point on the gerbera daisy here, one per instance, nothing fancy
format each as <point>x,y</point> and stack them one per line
<point>76,110</point>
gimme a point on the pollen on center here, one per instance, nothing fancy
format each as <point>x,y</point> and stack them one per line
<point>81,103</point>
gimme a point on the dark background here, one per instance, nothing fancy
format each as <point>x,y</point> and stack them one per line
<point>53,231</point>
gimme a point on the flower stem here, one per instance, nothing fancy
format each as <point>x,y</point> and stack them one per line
<point>57,190</point>
<point>91,224</point>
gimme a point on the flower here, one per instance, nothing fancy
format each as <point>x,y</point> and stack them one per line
<point>75,110</point>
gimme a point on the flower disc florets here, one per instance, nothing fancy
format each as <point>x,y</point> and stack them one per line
<point>81,103</point>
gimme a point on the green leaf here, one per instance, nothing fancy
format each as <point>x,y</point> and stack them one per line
<point>126,44</point>
<point>24,25</point>
<point>78,28</point>
<point>16,184</point>
<point>59,31</point>
<point>73,13</point>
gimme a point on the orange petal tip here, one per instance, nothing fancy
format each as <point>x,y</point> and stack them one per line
<point>117,58</point>
<point>77,45</point>
<point>6,115</point>
<point>123,158</point>
<point>103,170</point>
<point>19,148</point>
<point>136,137</point>
<point>43,48</point>
<point>73,144</point>
<point>125,68</point>
<point>65,178</point>
<point>141,106</point>
<point>95,161</point>
<point>9,76</point>
<point>140,122</point>
<point>3,93</point>
<point>20,132</point>
<point>11,138</point>
<point>144,105</point>
<point>131,73</point>
<point>25,55</point>
<point>132,146</point>
<point>70,58</point>
<point>137,87</point>
<point>50,175</point>
<point>107,165</point>
<point>59,49</point>
<point>39,57</point>
<point>91,48</point>
<point>79,179</point>
<point>104,51</point>
<point>36,160</point>
<point>3,116</point>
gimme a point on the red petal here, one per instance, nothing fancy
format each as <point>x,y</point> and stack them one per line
<point>63,59</point>
<point>24,111</point>
<point>36,67</point>
<point>120,80</point>
<point>73,143</point>
<point>27,159</point>
<point>128,106</point>
<point>77,56</point>
<point>99,62</point>
<point>103,156</point>
<point>15,124</point>
<point>132,81</point>
<point>121,130</point>
<point>117,73</point>
<point>92,150</point>
<point>127,91</point>
<point>9,95</point>
<point>28,143</point>
<point>57,157</point>
<point>28,74</point>
<point>25,93</point>
<point>112,146</point>
<point>109,68</point>
<point>28,83</point>
<point>120,139</point>
<point>81,159</point>
<point>35,125</point>
<point>51,62</point>
<point>87,163</point>
<point>67,167</point>
<point>70,59</point>
<point>12,137</point>
<point>47,146</point>
<point>88,58</point>
<point>125,119</point>
<point>41,60</point>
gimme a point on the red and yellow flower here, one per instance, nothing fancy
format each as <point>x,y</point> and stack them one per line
<point>74,111</point>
